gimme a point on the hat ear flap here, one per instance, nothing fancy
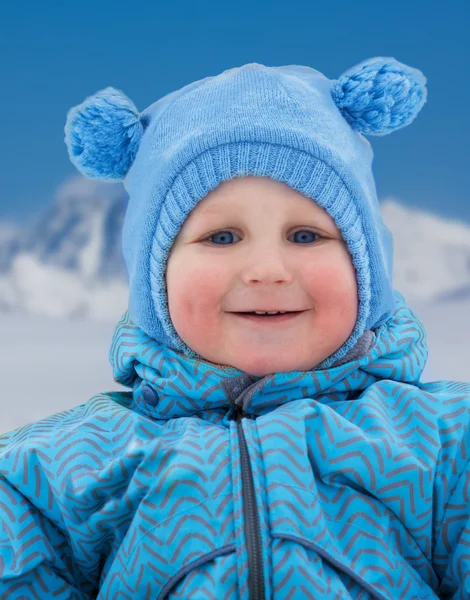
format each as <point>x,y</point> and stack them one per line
<point>102,135</point>
<point>380,95</point>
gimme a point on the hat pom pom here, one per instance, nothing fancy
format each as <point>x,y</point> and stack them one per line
<point>380,95</point>
<point>103,134</point>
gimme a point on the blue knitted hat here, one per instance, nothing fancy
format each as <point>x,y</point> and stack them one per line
<point>290,123</point>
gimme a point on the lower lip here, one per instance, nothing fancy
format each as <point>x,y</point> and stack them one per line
<point>271,319</point>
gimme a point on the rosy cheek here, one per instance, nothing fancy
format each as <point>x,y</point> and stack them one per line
<point>203,290</point>
<point>331,285</point>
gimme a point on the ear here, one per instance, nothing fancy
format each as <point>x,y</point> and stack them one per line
<point>379,95</point>
<point>103,134</point>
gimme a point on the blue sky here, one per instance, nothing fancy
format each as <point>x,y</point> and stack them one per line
<point>55,54</point>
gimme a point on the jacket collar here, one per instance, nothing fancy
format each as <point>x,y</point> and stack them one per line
<point>184,386</point>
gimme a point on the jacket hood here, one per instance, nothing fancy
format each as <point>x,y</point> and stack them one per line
<point>167,384</point>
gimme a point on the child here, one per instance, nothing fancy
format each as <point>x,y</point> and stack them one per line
<point>255,457</point>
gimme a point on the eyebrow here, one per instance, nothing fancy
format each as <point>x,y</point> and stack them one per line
<point>216,210</point>
<point>319,220</point>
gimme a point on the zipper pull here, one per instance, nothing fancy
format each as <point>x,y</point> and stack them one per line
<point>238,412</point>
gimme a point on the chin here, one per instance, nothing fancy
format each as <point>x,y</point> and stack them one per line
<point>269,367</point>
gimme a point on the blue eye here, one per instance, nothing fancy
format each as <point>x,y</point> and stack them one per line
<point>225,232</point>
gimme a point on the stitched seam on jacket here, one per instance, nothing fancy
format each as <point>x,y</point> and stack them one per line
<point>439,528</point>
<point>169,519</point>
<point>355,526</point>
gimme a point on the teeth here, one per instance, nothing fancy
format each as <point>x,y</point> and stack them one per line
<point>274,312</point>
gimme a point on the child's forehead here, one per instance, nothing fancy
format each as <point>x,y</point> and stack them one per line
<point>251,192</point>
<point>255,199</point>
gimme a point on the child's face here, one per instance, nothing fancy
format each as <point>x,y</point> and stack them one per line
<point>262,264</point>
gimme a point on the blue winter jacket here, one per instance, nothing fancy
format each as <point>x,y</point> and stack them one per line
<point>204,483</point>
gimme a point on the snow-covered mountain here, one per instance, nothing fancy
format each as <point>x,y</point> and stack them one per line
<point>80,232</point>
<point>10,241</point>
<point>431,254</point>
<point>67,262</point>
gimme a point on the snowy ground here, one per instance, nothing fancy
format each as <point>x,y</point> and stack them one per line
<point>49,365</point>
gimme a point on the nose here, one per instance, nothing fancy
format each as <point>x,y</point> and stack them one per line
<point>268,270</point>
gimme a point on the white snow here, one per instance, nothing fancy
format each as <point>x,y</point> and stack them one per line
<point>90,256</point>
<point>48,365</point>
<point>35,288</point>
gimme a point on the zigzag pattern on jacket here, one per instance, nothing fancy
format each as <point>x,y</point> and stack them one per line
<point>360,473</point>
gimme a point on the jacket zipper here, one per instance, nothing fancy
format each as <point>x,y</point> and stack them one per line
<point>251,518</point>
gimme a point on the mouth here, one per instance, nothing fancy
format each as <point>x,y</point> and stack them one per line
<point>268,319</point>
